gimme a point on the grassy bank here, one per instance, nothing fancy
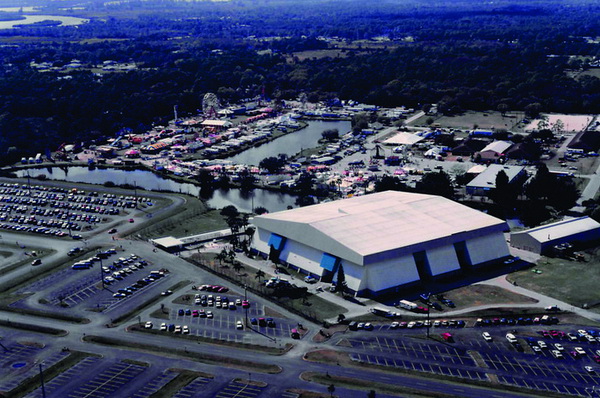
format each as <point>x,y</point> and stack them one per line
<point>209,359</point>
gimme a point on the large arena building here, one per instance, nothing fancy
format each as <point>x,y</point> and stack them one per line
<point>383,241</point>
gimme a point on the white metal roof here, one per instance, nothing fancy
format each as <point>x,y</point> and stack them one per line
<point>497,147</point>
<point>375,223</point>
<point>487,178</point>
<point>561,229</point>
<point>403,138</point>
<point>167,242</point>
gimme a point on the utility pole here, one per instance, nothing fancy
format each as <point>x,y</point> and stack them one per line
<point>246,298</point>
<point>42,382</point>
<point>102,274</point>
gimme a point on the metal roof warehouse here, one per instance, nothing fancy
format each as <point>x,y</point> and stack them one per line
<point>383,241</point>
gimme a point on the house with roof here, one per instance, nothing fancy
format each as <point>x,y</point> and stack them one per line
<point>494,151</point>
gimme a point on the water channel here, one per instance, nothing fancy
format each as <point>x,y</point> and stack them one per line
<point>33,18</point>
<point>244,201</point>
<point>289,144</point>
<point>292,143</point>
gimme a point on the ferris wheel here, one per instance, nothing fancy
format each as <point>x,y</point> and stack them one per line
<point>210,105</point>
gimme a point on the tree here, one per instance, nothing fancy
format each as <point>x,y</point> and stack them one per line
<point>437,184</point>
<point>502,108</point>
<point>330,134</point>
<point>360,121</point>
<point>371,394</point>
<point>221,256</point>
<point>331,389</point>
<point>541,184</point>
<point>558,126</point>
<point>260,210</point>
<point>237,266</point>
<point>260,274</point>
<point>429,121</point>
<point>533,110</point>
<point>273,164</point>
<point>342,285</point>
<point>341,318</point>
<point>230,211</point>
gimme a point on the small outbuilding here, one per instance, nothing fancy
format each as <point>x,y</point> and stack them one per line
<point>581,231</point>
<point>169,244</point>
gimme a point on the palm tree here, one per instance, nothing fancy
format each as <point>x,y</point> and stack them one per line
<point>221,256</point>
<point>260,274</point>
<point>237,267</point>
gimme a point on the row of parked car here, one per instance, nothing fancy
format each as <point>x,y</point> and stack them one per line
<point>153,276</point>
<point>543,320</point>
<point>588,336</point>
<point>219,302</point>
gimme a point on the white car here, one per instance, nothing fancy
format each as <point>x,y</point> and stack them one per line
<point>580,351</point>
<point>148,325</point>
<point>486,336</point>
<point>583,332</point>
<point>557,354</point>
<point>177,329</point>
<point>394,325</point>
<point>163,326</point>
<point>511,338</point>
<point>239,325</point>
<point>209,314</point>
<point>559,347</point>
<point>185,329</point>
<point>536,349</point>
<point>542,344</point>
<point>589,369</point>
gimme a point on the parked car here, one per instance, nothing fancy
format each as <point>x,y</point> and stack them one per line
<point>148,325</point>
<point>486,336</point>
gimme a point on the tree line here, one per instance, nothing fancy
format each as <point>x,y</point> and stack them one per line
<point>463,56</point>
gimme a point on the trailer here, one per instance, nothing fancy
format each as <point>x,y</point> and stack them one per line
<point>407,305</point>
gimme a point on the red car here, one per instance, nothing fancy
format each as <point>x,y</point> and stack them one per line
<point>245,304</point>
<point>447,337</point>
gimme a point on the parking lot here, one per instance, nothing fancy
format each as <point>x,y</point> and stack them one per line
<point>223,324</point>
<point>108,381</point>
<point>438,352</point>
<point>419,366</point>
<point>60,212</point>
<point>524,368</point>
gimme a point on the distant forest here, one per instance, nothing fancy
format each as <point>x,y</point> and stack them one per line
<point>503,55</point>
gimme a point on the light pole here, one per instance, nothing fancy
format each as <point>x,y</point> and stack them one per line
<point>428,313</point>
<point>245,299</point>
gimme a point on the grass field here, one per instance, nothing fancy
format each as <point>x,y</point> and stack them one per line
<point>194,218</point>
<point>573,282</point>
<point>475,295</point>
<point>483,120</point>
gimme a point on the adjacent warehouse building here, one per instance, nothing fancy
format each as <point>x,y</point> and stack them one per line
<point>485,182</point>
<point>383,241</point>
<point>541,240</point>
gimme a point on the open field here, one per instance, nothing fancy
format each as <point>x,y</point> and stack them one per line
<point>571,123</point>
<point>475,295</point>
<point>570,281</point>
<point>194,219</point>
<point>478,120</point>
